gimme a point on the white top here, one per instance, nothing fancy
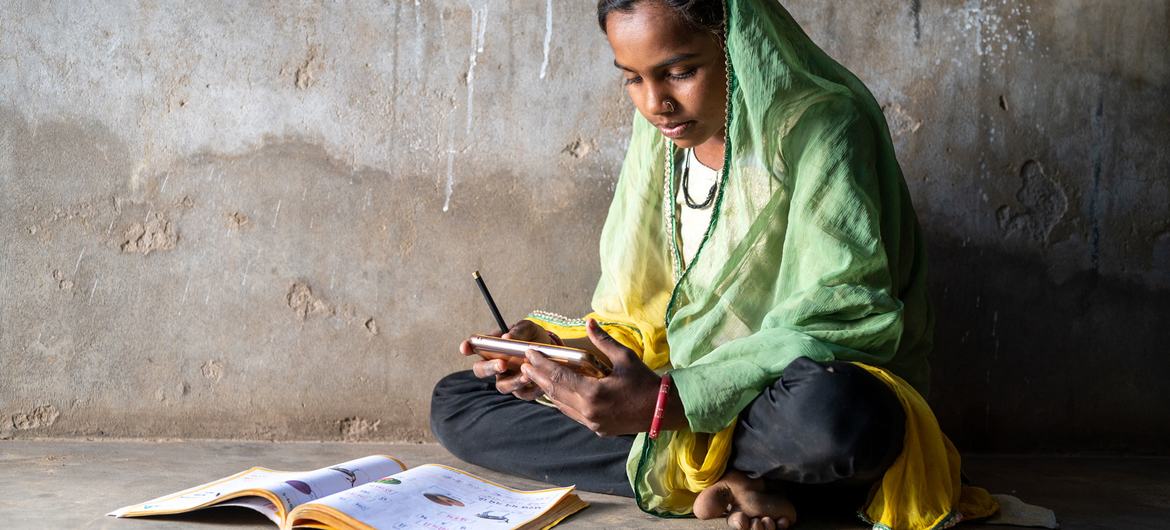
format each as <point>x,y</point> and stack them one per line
<point>692,223</point>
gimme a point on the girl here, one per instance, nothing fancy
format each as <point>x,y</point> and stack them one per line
<point>762,265</point>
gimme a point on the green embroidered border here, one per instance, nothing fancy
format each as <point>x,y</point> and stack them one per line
<point>555,318</point>
<point>676,257</point>
<point>647,447</point>
<point>561,320</point>
<point>953,518</point>
<point>668,195</point>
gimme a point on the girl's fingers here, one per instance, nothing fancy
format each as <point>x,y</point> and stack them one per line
<point>520,330</point>
<point>573,414</point>
<point>528,393</point>
<point>512,383</point>
<point>557,382</point>
<point>483,369</point>
<point>609,346</point>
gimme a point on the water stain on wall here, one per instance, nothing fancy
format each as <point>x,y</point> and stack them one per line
<point>916,16</point>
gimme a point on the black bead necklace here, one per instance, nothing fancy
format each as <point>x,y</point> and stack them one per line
<point>686,180</point>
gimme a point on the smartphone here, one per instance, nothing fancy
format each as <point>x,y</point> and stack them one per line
<point>512,351</point>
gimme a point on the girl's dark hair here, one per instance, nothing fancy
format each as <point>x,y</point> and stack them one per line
<point>702,15</point>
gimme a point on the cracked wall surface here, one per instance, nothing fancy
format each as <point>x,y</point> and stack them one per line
<point>259,221</point>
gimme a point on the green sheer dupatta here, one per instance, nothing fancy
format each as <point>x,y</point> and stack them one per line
<point>813,250</point>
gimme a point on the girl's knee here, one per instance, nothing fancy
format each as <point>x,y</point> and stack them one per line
<point>858,416</point>
<point>830,421</point>
<point>448,400</point>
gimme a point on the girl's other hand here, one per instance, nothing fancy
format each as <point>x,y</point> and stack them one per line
<point>527,330</point>
<point>622,402</point>
<point>510,381</point>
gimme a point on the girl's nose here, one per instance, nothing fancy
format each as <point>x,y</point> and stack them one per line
<point>661,102</point>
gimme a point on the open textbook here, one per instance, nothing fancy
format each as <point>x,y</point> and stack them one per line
<point>374,492</point>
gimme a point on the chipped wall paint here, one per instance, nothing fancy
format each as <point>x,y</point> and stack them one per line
<point>258,222</point>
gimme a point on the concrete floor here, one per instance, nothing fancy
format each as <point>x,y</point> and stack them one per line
<point>71,484</point>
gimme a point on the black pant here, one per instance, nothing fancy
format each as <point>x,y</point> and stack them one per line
<point>820,428</point>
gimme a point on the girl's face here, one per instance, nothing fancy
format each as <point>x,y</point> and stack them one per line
<point>675,75</point>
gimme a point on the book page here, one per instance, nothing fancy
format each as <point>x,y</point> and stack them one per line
<point>204,494</point>
<point>259,504</point>
<point>290,488</point>
<point>296,489</point>
<point>437,497</point>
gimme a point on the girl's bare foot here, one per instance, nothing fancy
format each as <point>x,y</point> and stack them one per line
<point>745,503</point>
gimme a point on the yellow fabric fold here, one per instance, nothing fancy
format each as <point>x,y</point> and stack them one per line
<point>922,490</point>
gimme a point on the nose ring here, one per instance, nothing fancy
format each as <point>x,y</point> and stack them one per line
<point>669,105</point>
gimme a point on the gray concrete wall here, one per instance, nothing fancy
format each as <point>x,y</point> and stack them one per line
<point>259,220</point>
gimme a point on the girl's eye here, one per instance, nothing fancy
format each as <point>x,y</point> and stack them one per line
<point>683,75</point>
<point>631,80</point>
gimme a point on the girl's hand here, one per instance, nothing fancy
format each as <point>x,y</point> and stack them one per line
<point>510,381</point>
<point>620,403</point>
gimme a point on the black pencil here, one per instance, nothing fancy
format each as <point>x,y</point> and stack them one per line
<point>491,303</point>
